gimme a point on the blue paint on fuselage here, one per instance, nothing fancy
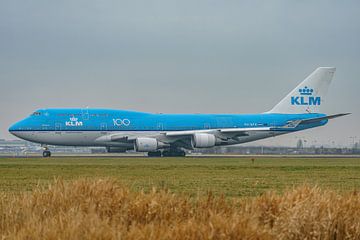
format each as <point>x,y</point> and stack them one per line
<point>121,120</point>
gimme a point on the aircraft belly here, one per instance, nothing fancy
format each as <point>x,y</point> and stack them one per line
<point>76,138</point>
<point>98,138</point>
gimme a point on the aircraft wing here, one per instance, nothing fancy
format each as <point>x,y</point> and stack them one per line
<point>225,134</point>
<point>184,138</point>
<point>169,137</point>
<point>239,131</point>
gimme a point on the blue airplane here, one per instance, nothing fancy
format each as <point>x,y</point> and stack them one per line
<point>170,134</point>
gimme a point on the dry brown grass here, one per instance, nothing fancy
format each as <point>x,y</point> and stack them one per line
<point>104,209</point>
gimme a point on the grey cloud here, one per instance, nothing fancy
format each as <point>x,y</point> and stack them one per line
<point>176,56</point>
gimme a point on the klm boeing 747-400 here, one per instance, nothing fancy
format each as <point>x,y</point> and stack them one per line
<point>170,134</point>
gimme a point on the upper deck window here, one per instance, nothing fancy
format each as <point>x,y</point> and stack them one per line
<point>36,114</point>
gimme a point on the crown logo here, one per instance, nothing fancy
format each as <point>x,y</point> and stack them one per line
<point>306,91</point>
<point>73,119</point>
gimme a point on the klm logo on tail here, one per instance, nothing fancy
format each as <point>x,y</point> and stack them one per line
<point>306,98</point>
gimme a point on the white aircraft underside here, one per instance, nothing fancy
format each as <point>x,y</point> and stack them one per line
<point>125,139</point>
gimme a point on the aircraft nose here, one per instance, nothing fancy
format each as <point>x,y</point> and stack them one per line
<point>14,128</point>
<point>20,129</point>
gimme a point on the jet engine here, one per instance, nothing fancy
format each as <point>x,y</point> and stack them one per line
<point>203,140</point>
<point>146,144</point>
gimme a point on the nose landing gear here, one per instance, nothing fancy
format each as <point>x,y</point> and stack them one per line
<point>46,152</point>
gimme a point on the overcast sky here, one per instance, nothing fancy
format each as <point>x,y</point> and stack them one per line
<point>178,57</point>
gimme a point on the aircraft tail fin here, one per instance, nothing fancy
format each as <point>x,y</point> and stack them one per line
<point>309,95</point>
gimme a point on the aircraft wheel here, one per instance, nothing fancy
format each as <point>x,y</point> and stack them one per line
<point>177,153</point>
<point>154,154</point>
<point>46,154</point>
<point>182,154</point>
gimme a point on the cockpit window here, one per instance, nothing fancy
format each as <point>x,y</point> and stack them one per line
<point>36,114</point>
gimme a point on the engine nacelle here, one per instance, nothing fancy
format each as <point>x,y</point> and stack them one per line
<point>146,144</point>
<point>203,140</point>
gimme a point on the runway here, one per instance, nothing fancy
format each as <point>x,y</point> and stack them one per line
<point>140,155</point>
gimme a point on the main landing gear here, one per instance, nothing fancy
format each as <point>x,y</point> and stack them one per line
<point>174,153</point>
<point>154,154</point>
<point>168,153</point>
<point>46,152</point>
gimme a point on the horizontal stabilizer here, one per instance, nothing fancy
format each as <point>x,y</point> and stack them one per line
<point>295,123</point>
<point>313,120</point>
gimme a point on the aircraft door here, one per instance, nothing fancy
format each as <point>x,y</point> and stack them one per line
<point>160,126</point>
<point>207,126</point>
<point>103,127</point>
<point>57,127</point>
<point>224,122</point>
<point>85,114</point>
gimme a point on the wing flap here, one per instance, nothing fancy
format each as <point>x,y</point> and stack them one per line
<point>239,130</point>
<point>187,133</point>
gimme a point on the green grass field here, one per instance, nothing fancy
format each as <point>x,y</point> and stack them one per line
<point>231,176</point>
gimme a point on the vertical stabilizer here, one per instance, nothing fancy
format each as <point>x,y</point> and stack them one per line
<point>309,95</point>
